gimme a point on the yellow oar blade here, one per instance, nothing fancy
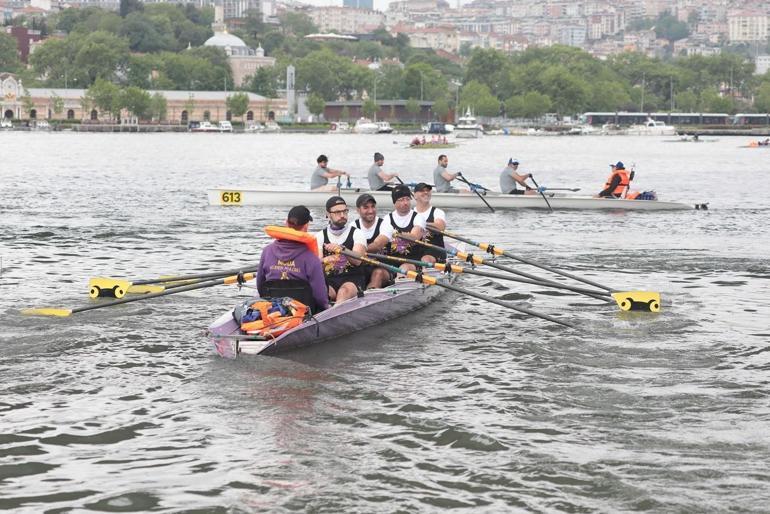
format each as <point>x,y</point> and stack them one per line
<point>637,300</point>
<point>109,287</point>
<point>144,289</point>
<point>62,313</point>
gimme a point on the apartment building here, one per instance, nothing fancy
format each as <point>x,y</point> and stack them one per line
<point>346,20</point>
<point>746,26</point>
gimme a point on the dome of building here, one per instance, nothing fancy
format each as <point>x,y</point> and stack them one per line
<point>224,39</point>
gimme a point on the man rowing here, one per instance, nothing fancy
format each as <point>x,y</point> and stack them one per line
<point>510,177</point>
<point>344,276</point>
<point>422,196</point>
<point>319,181</point>
<point>289,267</point>
<point>378,179</point>
<point>443,178</point>
<point>617,182</point>
<point>403,220</point>
<point>371,226</point>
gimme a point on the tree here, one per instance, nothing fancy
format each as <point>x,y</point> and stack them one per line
<point>479,99</point>
<point>669,27</point>
<point>686,101</point>
<point>137,101</point>
<point>489,67</point>
<point>369,108</point>
<point>297,24</point>
<point>189,105</point>
<point>345,113</point>
<point>105,96</point>
<point>9,53</point>
<point>158,107</point>
<point>26,103</point>
<point>129,6</point>
<point>441,108</point>
<point>57,103</point>
<point>315,104</point>
<point>263,82</point>
<point>762,100</point>
<point>238,103</point>
<point>413,107</point>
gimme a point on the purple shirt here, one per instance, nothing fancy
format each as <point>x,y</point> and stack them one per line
<point>285,260</point>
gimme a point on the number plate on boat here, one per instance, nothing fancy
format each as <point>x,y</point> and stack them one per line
<point>231,197</point>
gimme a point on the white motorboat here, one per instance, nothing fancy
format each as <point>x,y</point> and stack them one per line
<point>204,126</point>
<point>383,127</point>
<point>272,126</point>
<point>264,197</point>
<point>225,126</point>
<point>253,126</point>
<point>339,127</point>
<point>652,128</point>
<point>365,126</point>
<point>467,127</point>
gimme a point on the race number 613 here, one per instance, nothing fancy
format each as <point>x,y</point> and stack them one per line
<point>231,197</point>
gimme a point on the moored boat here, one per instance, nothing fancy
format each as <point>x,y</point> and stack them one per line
<point>365,126</point>
<point>375,307</point>
<point>651,128</point>
<point>264,197</point>
<point>467,127</point>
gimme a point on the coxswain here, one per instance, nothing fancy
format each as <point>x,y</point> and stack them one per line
<point>288,266</point>
<point>510,177</point>
<point>378,179</point>
<point>320,179</point>
<point>344,276</point>
<point>376,240</point>
<point>433,215</point>
<point>617,182</point>
<point>443,178</point>
<point>403,220</point>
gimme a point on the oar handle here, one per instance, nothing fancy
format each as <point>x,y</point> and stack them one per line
<point>213,274</point>
<point>419,277</point>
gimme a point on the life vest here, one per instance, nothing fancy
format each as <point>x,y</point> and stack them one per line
<point>375,234</point>
<point>271,318</point>
<point>290,234</point>
<point>633,195</point>
<point>624,181</point>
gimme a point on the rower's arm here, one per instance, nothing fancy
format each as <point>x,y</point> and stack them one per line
<point>387,176</point>
<point>334,173</point>
<point>448,176</point>
<point>378,244</point>
<point>360,250</point>
<point>521,179</point>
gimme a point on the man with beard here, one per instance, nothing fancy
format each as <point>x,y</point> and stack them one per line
<point>372,227</point>
<point>422,196</point>
<point>403,220</point>
<point>344,276</point>
<point>378,179</point>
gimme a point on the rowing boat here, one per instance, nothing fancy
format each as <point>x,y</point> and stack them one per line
<point>374,307</point>
<point>264,197</point>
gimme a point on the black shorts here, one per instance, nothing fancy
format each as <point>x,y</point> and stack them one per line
<point>436,254</point>
<point>336,281</point>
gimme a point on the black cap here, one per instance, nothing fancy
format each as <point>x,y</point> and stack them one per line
<point>298,216</point>
<point>400,191</point>
<point>378,157</point>
<point>422,185</point>
<point>364,198</point>
<point>322,158</point>
<point>334,200</point>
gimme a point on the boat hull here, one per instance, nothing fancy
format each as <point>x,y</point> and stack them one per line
<point>375,307</point>
<point>239,196</point>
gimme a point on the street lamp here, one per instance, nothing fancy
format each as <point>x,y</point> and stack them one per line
<point>457,84</point>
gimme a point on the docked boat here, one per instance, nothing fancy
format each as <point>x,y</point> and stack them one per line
<point>651,128</point>
<point>467,127</point>
<point>375,307</point>
<point>383,127</point>
<point>204,126</point>
<point>339,127</point>
<point>253,127</point>
<point>271,126</point>
<point>264,197</point>
<point>365,126</point>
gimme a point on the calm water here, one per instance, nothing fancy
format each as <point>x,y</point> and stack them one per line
<point>462,405</point>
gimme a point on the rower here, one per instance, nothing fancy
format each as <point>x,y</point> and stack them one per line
<point>616,183</point>
<point>422,197</point>
<point>371,224</point>
<point>510,176</point>
<point>289,266</point>
<point>320,179</point>
<point>377,178</point>
<point>344,276</point>
<point>443,178</point>
<point>403,220</point>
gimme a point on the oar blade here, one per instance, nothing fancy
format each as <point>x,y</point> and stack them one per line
<point>648,301</point>
<point>100,287</point>
<point>47,311</point>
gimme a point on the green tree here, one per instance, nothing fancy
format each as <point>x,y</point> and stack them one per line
<point>345,113</point>
<point>158,106</point>
<point>146,34</point>
<point>369,108</point>
<point>315,104</point>
<point>536,104</point>
<point>129,6</point>
<point>514,107</point>
<point>412,107</point>
<point>9,53</point>
<point>238,104</point>
<point>421,81</point>
<point>105,96</point>
<point>297,24</point>
<point>479,99</point>
<point>489,67</point>
<point>100,55</point>
<point>27,105</point>
<point>568,92</point>
<point>57,104</point>
<point>189,105</point>
<point>137,101</point>
<point>321,71</point>
<point>686,101</point>
<point>263,82</point>
<point>669,27</point>
<point>762,99</point>
<point>441,108</point>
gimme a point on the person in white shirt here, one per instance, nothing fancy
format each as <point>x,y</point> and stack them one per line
<point>404,220</point>
<point>433,215</point>
<point>344,276</point>
<point>376,240</point>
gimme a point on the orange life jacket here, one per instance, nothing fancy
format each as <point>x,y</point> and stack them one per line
<point>290,234</point>
<point>273,324</point>
<point>624,181</point>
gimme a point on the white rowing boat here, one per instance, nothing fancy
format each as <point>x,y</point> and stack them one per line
<point>375,307</point>
<point>264,197</point>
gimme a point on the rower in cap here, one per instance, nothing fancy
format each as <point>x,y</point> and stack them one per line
<point>344,276</point>
<point>617,182</point>
<point>371,226</point>
<point>320,179</point>
<point>422,196</point>
<point>403,220</point>
<point>288,267</point>
<point>510,176</point>
<point>377,178</point>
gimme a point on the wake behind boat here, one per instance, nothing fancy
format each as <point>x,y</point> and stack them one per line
<point>265,197</point>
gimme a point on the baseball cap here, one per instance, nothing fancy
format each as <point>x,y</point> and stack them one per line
<point>513,161</point>
<point>378,156</point>
<point>334,200</point>
<point>298,216</point>
<point>364,198</point>
<point>421,186</point>
<point>400,191</point>
<point>620,165</point>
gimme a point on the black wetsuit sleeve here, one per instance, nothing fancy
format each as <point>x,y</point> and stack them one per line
<point>615,182</point>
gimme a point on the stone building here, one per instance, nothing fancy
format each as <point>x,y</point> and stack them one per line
<point>244,61</point>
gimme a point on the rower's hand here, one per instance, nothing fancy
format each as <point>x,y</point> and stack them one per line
<point>459,174</point>
<point>333,247</point>
<point>529,175</point>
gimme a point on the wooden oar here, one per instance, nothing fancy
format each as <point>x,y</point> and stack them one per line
<point>240,278</point>
<point>473,188</point>
<point>475,259</point>
<point>428,280</point>
<point>626,300</point>
<point>550,209</point>
<point>453,268</point>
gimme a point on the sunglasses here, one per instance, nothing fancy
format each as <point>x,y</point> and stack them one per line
<point>344,211</point>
